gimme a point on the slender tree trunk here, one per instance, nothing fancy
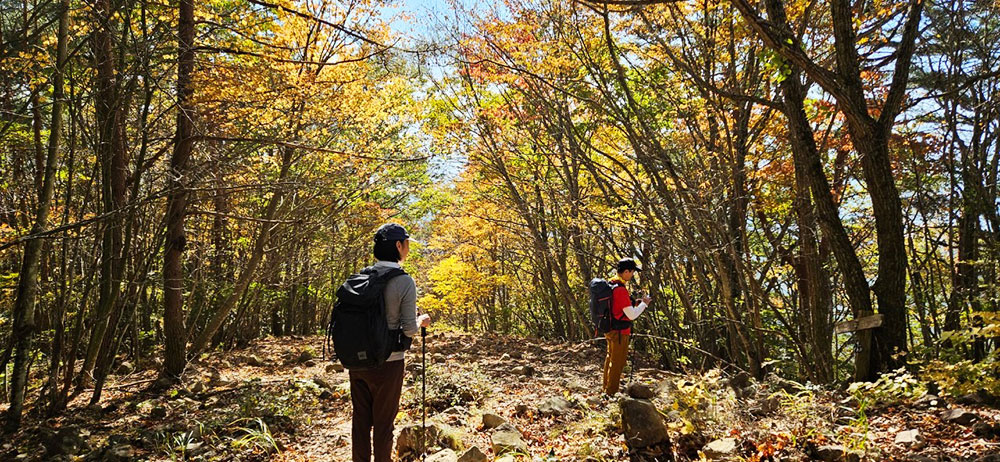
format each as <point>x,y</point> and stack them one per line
<point>27,286</point>
<point>111,156</point>
<point>175,335</point>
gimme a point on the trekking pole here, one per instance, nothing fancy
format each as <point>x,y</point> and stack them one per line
<point>631,359</point>
<point>423,393</point>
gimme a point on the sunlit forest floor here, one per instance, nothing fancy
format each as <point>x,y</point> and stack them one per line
<point>279,400</point>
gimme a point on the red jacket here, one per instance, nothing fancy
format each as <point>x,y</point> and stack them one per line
<point>620,299</point>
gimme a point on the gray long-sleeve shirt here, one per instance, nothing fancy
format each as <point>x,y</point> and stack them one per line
<point>400,304</point>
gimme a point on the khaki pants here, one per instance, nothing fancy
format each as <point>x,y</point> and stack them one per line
<point>614,361</point>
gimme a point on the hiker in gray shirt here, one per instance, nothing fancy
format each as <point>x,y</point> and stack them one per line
<point>375,392</point>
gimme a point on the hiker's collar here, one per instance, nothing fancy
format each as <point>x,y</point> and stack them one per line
<point>387,264</point>
<point>617,280</point>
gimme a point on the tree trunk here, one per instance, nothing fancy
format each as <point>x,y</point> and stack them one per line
<point>111,156</point>
<point>27,285</point>
<point>175,335</point>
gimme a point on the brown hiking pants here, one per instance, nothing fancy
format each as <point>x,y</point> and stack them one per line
<point>614,361</point>
<point>375,399</point>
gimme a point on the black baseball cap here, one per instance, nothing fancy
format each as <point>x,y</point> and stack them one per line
<point>391,232</point>
<point>627,264</point>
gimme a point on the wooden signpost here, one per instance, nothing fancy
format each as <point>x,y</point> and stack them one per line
<point>867,322</point>
<point>863,325</point>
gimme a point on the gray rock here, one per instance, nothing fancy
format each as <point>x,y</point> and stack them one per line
<point>310,363</point>
<point>119,453</point>
<point>958,416</point>
<point>335,367</point>
<point>409,442</point>
<point>321,382</point>
<point>640,391</point>
<point>985,430</point>
<point>306,355</point>
<point>740,381</point>
<point>526,371</point>
<point>642,423</point>
<point>835,453</point>
<point>446,455</point>
<point>721,448</point>
<point>198,387</point>
<point>473,454</point>
<point>194,449</point>
<point>555,406</point>
<point>68,441</point>
<point>978,398</point>
<point>125,368</point>
<point>576,386</point>
<point>491,421</point>
<point>908,438</point>
<point>508,439</point>
<point>158,412</point>
<point>456,410</point>
<point>989,458</point>
<point>254,360</point>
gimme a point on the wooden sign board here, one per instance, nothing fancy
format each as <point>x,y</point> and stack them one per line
<point>867,322</point>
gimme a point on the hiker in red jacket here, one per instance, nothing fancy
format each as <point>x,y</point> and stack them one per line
<point>622,308</point>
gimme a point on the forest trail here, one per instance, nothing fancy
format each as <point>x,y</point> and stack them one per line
<point>546,390</point>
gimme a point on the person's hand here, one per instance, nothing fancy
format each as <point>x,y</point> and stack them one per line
<point>646,299</point>
<point>424,320</point>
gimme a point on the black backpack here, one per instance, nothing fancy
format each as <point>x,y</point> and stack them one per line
<point>358,329</point>
<point>600,308</point>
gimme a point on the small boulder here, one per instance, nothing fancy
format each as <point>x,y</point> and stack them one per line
<point>721,449</point>
<point>321,382</point>
<point>979,398</point>
<point>640,391</point>
<point>989,458</point>
<point>642,423</point>
<point>446,455</point>
<point>409,440</point>
<point>835,453</point>
<point>958,416</point>
<point>521,409</point>
<point>456,410</point>
<point>740,381</point>
<point>526,371</point>
<point>198,387</point>
<point>506,439</point>
<point>473,454</point>
<point>985,430</point>
<point>767,406</point>
<point>68,441</point>
<point>125,368</point>
<point>555,406</point>
<point>306,355</point>
<point>908,438</point>
<point>254,361</point>
<point>310,363</point>
<point>491,421</point>
<point>118,453</point>
<point>334,367</point>
<point>158,412</point>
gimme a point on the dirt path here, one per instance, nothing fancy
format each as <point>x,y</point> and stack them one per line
<point>277,400</point>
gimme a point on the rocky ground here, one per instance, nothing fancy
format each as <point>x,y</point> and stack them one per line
<point>499,398</point>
